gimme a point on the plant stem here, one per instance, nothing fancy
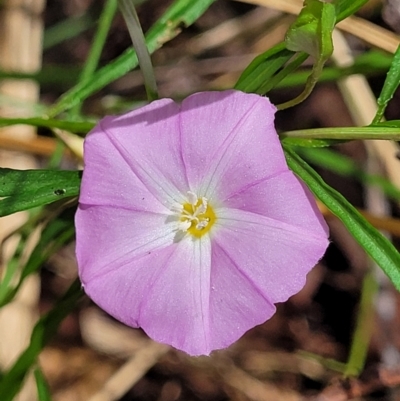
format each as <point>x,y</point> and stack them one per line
<point>346,133</point>
<point>364,327</point>
<point>92,61</point>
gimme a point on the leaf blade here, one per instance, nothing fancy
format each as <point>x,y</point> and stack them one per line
<point>180,13</point>
<point>26,189</point>
<point>374,243</point>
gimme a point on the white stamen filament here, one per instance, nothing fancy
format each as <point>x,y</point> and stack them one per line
<point>192,197</point>
<point>187,218</point>
<point>184,225</point>
<point>177,208</point>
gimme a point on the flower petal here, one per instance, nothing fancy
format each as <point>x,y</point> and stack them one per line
<point>176,309</point>
<point>236,304</point>
<point>228,141</point>
<point>166,293</point>
<point>282,197</point>
<point>196,293</point>
<point>275,256</point>
<point>108,179</point>
<point>108,237</point>
<point>147,139</point>
<point>122,290</point>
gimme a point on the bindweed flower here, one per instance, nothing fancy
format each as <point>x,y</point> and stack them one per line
<point>190,224</point>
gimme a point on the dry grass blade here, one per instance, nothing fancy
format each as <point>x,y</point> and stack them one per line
<point>131,372</point>
<point>362,106</point>
<point>389,224</point>
<point>41,146</point>
<point>254,389</point>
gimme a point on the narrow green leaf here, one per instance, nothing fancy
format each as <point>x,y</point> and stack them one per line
<point>57,233</point>
<point>99,39</point>
<point>262,68</point>
<point>44,330</point>
<point>364,327</point>
<point>389,124</point>
<point>286,70</point>
<point>104,24</point>
<point>49,76</point>
<point>309,142</point>
<point>41,385</point>
<point>373,242</point>
<point>181,13</point>
<point>25,189</point>
<point>66,29</point>
<point>268,70</point>
<point>345,166</point>
<point>71,126</point>
<point>379,131</point>
<point>345,8</point>
<point>369,64</point>
<point>390,86</point>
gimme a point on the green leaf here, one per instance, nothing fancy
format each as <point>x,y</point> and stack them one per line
<point>379,131</point>
<point>390,86</point>
<point>41,385</point>
<point>310,142</point>
<point>369,64</point>
<point>312,33</point>
<point>49,76</point>
<point>345,8</point>
<point>44,330</point>
<point>262,68</point>
<point>388,124</point>
<point>345,166</point>
<point>71,126</point>
<point>379,248</point>
<point>312,30</point>
<point>364,327</point>
<point>56,233</point>
<point>66,29</point>
<point>181,13</point>
<point>268,71</point>
<point>286,70</point>
<point>104,24</point>
<point>25,189</point>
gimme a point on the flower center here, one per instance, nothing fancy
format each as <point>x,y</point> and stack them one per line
<point>195,216</point>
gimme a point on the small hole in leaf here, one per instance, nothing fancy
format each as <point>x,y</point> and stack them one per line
<point>59,192</point>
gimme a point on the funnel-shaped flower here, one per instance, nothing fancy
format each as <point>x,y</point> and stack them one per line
<point>190,224</point>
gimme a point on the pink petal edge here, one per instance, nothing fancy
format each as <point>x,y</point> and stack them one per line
<point>273,255</point>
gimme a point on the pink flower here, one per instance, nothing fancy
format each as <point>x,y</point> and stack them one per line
<point>190,224</point>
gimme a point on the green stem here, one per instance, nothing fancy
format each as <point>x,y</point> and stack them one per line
<point>311,82</point>
<point>364,326</point>
<point>390,86</point>
<point>345,133</point>
<point>92,61</point>
<point>71,126</point>
<point>139,43</point>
